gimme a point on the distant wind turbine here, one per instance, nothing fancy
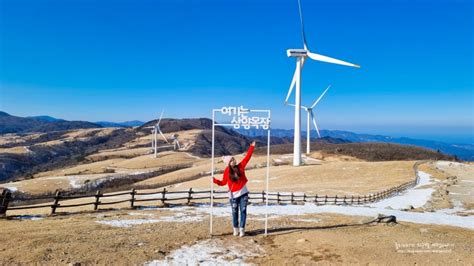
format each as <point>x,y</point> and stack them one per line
<point>158,129</point>
<point>311,116</point>
<point>155,130</point>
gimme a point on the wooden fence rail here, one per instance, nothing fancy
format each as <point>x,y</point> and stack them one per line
<point>164,197</point>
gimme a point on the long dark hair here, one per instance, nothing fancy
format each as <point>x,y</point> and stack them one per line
<point>234,173</point>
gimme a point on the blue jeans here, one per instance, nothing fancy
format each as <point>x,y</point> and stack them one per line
<point>237,204</point>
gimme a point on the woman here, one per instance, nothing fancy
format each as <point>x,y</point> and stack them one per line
<point>234,177</point>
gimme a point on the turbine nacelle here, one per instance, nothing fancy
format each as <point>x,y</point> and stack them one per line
<point>297,52</point>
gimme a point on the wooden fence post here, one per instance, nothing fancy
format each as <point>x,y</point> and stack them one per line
<point>335,200</point>
<point>291,198</point>
<point>278,198</point>
<point>316,199</point>
<point>263,195</point>
<point>326,199</point>
<point>352,199</point>
<point>56,202</point>
<point>345,200</point>
<point>132,200</point>
<point>304,197</point>
<point>97,200</point>
<point>5,200</point>
<point>163,196</point>
<point>190,192</point>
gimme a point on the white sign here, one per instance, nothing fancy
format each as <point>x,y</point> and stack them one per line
<point>240,118</point>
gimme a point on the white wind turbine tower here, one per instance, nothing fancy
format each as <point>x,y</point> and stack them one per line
<point>310,116</point>
<point>301,56</point>
<point>152,139</point>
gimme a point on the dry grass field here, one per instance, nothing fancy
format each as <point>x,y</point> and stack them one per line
<point>330,178</point>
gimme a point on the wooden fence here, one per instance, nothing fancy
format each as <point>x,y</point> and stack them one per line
<point>163,197</point>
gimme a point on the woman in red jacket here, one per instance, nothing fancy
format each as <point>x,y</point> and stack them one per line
<point>234,177</point>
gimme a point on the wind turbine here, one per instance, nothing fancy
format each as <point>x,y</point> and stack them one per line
<point>310,116</point>
<point>154,141</point>
<point>157,129</point>
<point>301,56</point>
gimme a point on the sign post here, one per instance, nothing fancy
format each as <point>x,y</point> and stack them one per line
<point>246,118</point>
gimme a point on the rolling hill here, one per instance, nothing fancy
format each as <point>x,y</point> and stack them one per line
<point>16,124</point>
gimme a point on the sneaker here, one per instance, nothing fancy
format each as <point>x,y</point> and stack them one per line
<point>242,232</point>
<point>236,231</point>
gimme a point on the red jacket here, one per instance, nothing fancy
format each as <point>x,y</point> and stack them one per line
<point>236,186</point>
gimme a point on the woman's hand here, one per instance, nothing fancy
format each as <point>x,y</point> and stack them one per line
<point>253,143</point>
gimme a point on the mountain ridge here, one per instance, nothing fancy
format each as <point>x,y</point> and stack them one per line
<point>462,151</point>
<point>44,123</point>
<point>16,124</point>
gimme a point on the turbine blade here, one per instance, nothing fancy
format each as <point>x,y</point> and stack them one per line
<point>328,59</point>
<point>315,125</point>
<point>320,97</point>
<point>293,81</point>
<point>161,116</point>
<point>161,133</point>
<point>302,107</point>
<point>292,85</point>
<point>302,25</point>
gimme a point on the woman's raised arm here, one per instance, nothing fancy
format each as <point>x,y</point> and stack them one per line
<point>249,155</point>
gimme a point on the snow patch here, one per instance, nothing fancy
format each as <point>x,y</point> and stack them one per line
<point>211,252</point>
<point>310,159</point>
<point>457,207</point>
<point>315,220</point>
<point>310,208</point>
<point>128,223</point>
<point>139,214</point>
<point>192,156</point>
<point>11,188</point>
<point>415,197</point>
<point>29,217</point>
<point>444,164</point>
<point>181,216</point>
<point>74,182</point>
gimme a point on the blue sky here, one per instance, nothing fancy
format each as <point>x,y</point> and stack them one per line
<point>124,60</point>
